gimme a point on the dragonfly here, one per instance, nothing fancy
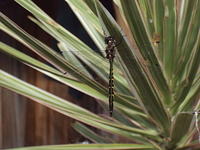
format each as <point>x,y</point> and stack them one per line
<point>110,51</point>
<point>110,55</point>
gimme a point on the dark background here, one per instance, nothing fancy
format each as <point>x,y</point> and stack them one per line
<point>22,121</point>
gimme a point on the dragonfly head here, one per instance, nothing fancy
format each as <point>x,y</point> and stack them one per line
<point>109,39</point>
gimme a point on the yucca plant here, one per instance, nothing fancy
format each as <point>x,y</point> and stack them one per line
<point>157,84</point>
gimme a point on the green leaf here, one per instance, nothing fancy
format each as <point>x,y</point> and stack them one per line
<point>169,40</point>
<point>147,11</point>
<point>149,62</point>
<point>190,74</point>
<point>192,98</point>
<point>190,147</point>
<point>89,21</point>
<point>180,128</point>
<point>158,16</point>
<point>90,147</point>
<point>72,59</point>
<point>51,72</point>
<point>89,134</point>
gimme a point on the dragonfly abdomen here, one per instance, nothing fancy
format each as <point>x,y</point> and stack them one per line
<point>110,55</point>
<point>111,88</point>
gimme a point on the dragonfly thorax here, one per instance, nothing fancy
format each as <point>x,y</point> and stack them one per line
<point>110,48</point>
<point>110,53</point>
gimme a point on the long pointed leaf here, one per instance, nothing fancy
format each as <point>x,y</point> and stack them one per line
<point>86,132</point>
<point>148,51</point>
<point>90,147</point>
<point>180,128</point>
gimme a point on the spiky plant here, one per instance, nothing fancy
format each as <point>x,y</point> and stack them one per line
<point>157,83</point>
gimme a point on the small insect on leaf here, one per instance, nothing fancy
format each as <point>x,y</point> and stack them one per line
<point>156,39</point>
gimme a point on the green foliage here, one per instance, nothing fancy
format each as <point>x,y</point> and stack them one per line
<point>157,84</point>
